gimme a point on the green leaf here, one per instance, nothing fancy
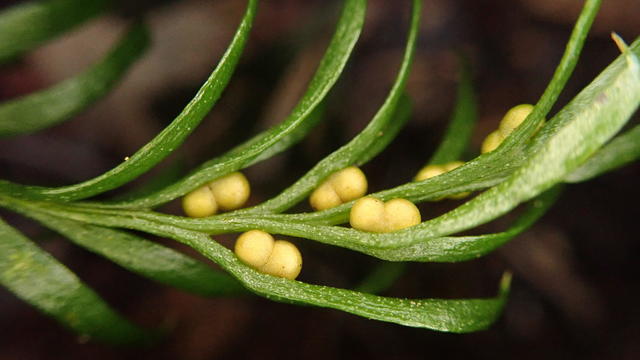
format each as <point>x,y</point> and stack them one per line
<point>458,134</point>
<point>361,147</point>
<point>405,245</point>
<point>451,148</point>
<point>567,141</point>
<point>489,169</point>
<point>144,257</point>
<point>439,314</point>
<point>164,143</point>
<point>455,315</point>
<point>558,81</point>
<point>622,150</point>
<point>37,278</point>
<point>58,103</point>
<point>27,25</point>
<point>389,132</point>
<point>294,127</point>
<point>463,248</point>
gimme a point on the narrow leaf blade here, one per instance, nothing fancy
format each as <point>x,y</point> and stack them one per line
<point>164,143</point>
<point>37,278</point>
<point>27,25</point>
<point>333,62</point>
<point>144,257</point>
<point>60,102</point>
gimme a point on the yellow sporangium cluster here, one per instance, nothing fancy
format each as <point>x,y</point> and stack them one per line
<point>430,171</point>
<point>342,186</point>
<point>226,193</point>
<point>259,250</point>
<point>511,120</point>
<point>374,215</point>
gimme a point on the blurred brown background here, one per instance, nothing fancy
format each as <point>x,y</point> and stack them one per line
<point>574,292</point>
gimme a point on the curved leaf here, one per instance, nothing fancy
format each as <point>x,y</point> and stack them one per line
<point>438,314</point>
<point>58,103</point>
<point>570,138</point>
<point>27,25</point>
<point>455,315</point>
<point>300,120</point>
<point>489,169</point>
<point>144,257</point>
<point>164,143</point>
<point>463,248</point>
<point>405,245</point>
<point>360,147</point>
<point>388,133</point>
<point>39,279</point>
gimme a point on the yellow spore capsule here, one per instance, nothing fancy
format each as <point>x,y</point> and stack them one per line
<point>254,247</point>
<point>324,197</point>
<point>491,142</point>
<point>285,261</point>
<point>342,186</point>
<point>371,214</point>
<point>231,191</point>
<point>400,214</point>
<point>199,203</point>
<point>227,193</point>
<point>259,250</point>
<point>513,118</point>
<point>428,172</point>
<point>368,214</point>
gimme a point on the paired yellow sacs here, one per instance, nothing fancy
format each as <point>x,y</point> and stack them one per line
<point>367,213</point>
<point>342,186</point>
<point>511,120</point>
<point>371,214</point>
<point>259,250</point>
<point>226,193</point>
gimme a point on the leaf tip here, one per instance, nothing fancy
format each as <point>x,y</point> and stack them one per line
<point>620,43</point>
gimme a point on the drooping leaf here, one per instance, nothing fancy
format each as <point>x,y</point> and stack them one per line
<point>451,315</point>
<point>164,143</point>
<point>37,278</point>
<point>144,257</point>
<point>58,103</point>
<point>31,23</point>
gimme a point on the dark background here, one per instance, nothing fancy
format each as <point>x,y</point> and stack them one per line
<point>574,293</point>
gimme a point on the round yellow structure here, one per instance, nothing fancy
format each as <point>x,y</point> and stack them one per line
<point>226,193</point>
<point>374,215</point>
<point>491,142</point>
<point>259,250</point>
<point>342,186</point>
<point>513,118</point>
